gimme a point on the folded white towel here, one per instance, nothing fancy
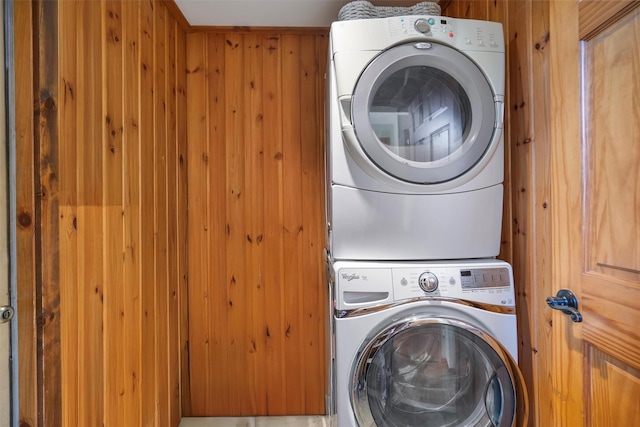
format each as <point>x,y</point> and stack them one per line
<point>362,9</point>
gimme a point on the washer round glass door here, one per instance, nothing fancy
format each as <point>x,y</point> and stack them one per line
<point>424,112</point>
<point>433,372</point>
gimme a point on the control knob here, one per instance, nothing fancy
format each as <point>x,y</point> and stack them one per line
<point>422,26</point>
<point>428,282</point>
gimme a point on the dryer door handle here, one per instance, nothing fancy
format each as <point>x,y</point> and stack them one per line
<point>566,301</point>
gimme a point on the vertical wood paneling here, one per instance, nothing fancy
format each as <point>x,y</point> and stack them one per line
<point>312,153</point>
<point>195,394</point>
<point>471,9</point>
<point>521,144</point>
<point>181,143</point>
<point>274,284</point>
<point>236,197</point>
<point>529,97</point>
<point>450,8</point>
<point>47,232</point>
<point>108,259</point>
<point>112,176</point>
<point>256,287</point>
<point>176,249</point>
<point>538,286</point>
<point>147,67</point>
<point>218,321</point>
<point>90,224</point>
<point>161,215</point>
<point>69,301</point>
<point>25,214</point>
<point>520,138</point>
<point>253,81</point>
<point>293,221</point>
<point>131,211</point>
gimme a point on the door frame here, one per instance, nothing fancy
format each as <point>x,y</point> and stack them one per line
<point>8,182</point>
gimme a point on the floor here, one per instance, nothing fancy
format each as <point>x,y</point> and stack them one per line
<point>312,421</point>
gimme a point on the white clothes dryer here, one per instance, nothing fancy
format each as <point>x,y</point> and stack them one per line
<point>415,159</point>
<point>425,344</point>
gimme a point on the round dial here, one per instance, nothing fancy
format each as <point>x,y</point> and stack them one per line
<point>422,26</point>
<point>428,282</point>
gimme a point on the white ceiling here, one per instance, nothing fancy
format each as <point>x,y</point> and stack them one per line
<point>268,13</point>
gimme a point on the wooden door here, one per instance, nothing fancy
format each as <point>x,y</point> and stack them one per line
<point>593,376</point>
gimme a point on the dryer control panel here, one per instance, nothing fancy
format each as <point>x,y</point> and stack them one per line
<point>473,34</point>
<point>369,284</point>
<point>381,33</point>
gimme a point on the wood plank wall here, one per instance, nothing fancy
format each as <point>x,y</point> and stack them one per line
<point>101,143</point>
<point>526,230</point>
<point>25,104</point>
<point>257,293</point>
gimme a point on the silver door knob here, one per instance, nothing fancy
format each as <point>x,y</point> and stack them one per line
<point>6,313</point>
<point>566,302</point>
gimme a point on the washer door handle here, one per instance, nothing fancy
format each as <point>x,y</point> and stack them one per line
<point>502,412</point>
<point>566,301</point>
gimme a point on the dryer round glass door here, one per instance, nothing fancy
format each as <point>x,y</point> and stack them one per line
<point>424,113</point>
<point>433,372</point>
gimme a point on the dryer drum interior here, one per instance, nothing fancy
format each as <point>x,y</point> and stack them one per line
<point>434,372</point>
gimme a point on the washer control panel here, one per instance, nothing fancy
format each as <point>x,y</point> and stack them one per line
<point>481,278</point>
<point>487,284</point>
<point>366,284</point>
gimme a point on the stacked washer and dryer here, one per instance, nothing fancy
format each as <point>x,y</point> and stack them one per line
<point>423,315</point>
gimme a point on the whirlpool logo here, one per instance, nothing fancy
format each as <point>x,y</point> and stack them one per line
<point>350,276</point>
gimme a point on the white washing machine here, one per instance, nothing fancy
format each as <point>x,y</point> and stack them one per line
<point>415,159</point>
<point>425,344</point>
